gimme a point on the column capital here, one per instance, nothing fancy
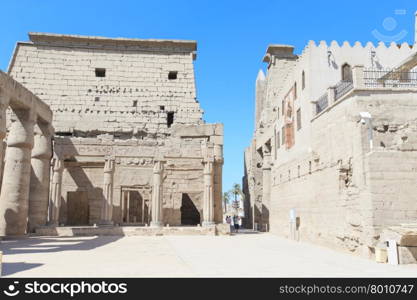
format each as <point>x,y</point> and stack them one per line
<point>58,164</point>
<point>109,165</point>
<point>218,153</point>
<point>158,167</point>
<point>207,149</point>
<point>208,166</point>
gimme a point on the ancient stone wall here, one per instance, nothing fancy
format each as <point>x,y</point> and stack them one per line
<point>132,95</point>
<point>341,191</point>
<point>130,145</point>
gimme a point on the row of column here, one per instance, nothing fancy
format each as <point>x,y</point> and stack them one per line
<point>25,184</point>
<point>26,174</point>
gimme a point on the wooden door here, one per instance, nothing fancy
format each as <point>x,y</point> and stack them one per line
<point>78,210</point>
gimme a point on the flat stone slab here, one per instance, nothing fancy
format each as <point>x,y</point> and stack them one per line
<point>123,230</point>
<point>404,236</point>
<point>242,255</point>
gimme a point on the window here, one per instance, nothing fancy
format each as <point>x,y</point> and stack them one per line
<point>282,107</point>
<point>278,140</point>
<point>97,99</point>
<point>283,135</point>
<point>347,73</point>
<point>172,75</point>
<point>135,103</point>
<point>162,107</point>
<point>303,80</point>
<point>299,119</point>
<point>170,118</point>
<point>100,72</point>
<point>298,171</point>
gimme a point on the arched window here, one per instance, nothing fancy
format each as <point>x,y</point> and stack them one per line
<point>346,73</point>
<point>303,80</point>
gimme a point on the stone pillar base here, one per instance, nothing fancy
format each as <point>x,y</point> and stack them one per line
<point>105,223</point>
<point>207,224</point>
<point>156,224</point>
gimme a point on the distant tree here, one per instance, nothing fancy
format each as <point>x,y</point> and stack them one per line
<point>236,191</point>
<point>226,199</point>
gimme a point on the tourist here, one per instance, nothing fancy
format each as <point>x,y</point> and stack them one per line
<point>236,223</point>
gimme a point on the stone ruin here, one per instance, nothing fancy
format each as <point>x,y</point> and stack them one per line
<point>130,146</point>
<point>333,155</point>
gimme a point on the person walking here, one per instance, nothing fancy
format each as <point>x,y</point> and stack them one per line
<point>236,223</point>
<point>229,221</point>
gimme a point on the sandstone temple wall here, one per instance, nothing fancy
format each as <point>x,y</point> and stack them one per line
<point>332,155</point>
<point>134,94</point>
<point>130,144</point>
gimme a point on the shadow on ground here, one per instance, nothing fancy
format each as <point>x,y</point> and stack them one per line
<point>55,244</point>
<point>15,267</point>
<point>46,245</point>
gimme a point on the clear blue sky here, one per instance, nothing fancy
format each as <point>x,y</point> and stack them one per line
<point>232,37</point>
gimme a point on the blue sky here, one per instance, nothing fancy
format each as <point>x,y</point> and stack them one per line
<point>232,37</point>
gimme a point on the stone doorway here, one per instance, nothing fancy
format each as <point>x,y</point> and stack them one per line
<point>78,208</point>
<point>189,213</point>
<point>135,209</point>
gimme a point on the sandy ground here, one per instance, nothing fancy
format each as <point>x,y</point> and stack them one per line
<point>246,255</point>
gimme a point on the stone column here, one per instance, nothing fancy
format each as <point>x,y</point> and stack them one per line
<point>39,180</point>
<point>107,207</point>
<point>266,187</point>
<point>217,181</point>
<point>208,196</point>
<point>55,200</point>
<point>14,198</point>
<point>157,194</point>
<point>4,103</point>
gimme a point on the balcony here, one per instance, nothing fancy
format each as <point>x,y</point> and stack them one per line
<point>366,79</point>
<point>389,79</point>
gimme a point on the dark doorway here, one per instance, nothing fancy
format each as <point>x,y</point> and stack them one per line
<point>189,213</point>
<point>78,210</point>
<point>135,209</point>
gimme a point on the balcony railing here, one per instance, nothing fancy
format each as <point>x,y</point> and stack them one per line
<point>389,78</point>
<point>322,103</point>
<point>367,78</point>
<point>342,88</point>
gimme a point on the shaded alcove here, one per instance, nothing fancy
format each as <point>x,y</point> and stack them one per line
<point>189,213</point>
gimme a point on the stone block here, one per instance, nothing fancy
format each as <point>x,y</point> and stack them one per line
<point>407,255</point>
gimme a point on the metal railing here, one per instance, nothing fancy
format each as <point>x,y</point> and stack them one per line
<point>342,88</point>
<point>389,78</point>
<point>322,103</point>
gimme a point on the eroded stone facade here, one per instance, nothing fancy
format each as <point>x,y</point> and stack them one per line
<point>130,144</point>
<point>25,151</point>
<point>333,156</point>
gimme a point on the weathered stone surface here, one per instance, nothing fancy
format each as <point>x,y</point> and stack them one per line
<point>407,255</point>
<point>24,169</point>
<point>402,235</point>
<point>130,102</point>
<point>344,187</point>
